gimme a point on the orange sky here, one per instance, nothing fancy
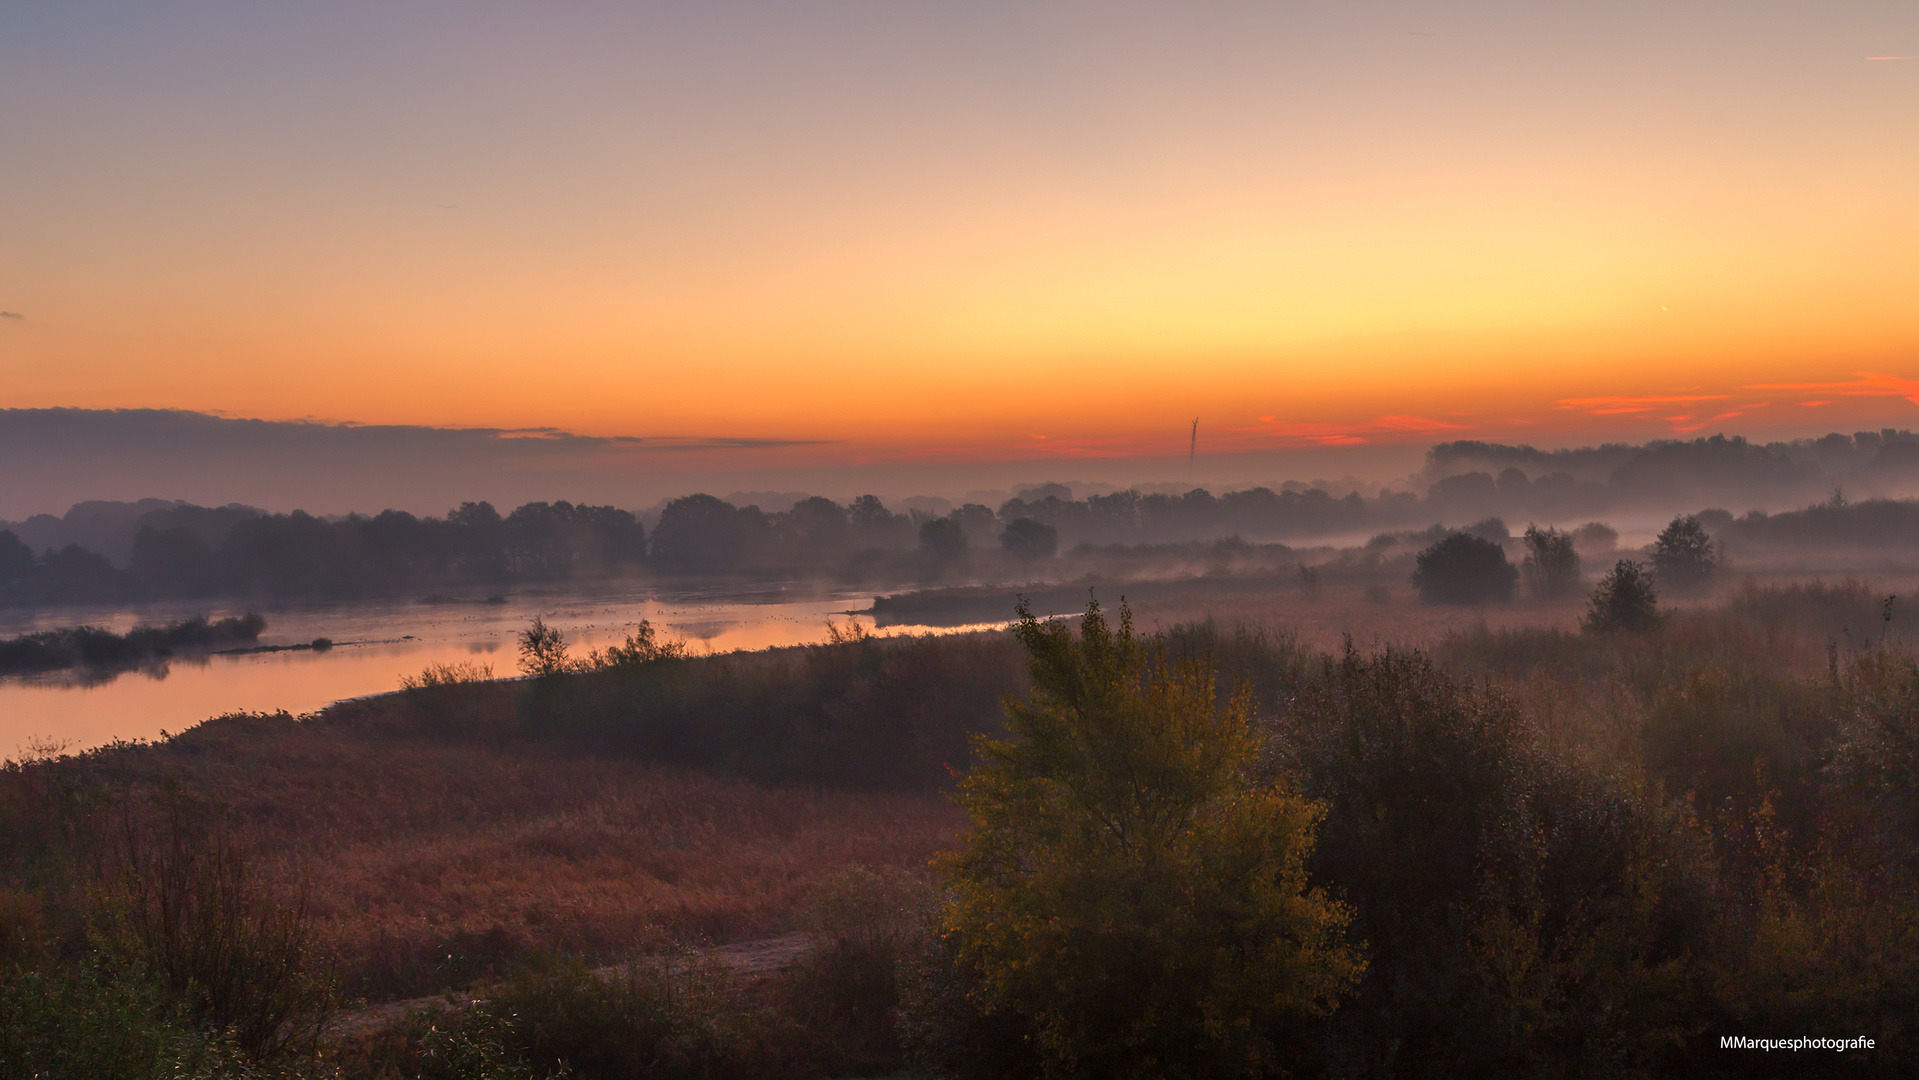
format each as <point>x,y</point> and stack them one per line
<point>1011,229</point>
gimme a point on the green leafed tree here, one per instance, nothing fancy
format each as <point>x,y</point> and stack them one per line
<point>1129,888</point>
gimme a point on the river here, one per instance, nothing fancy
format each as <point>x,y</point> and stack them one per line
<point>375,645</point>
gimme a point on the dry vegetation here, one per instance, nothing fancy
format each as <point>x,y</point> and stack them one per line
<point>1704,829</point>
<point>429,862</point>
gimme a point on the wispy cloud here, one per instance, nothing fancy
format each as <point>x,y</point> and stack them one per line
<point>1623,405</point>
<point>1863,384</point>
<point>1686,425</point>
<point>1353,434</point>
<point>11,315</point>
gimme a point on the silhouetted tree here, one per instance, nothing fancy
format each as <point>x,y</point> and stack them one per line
<point>173,562</point>
<point>942,539</point>
<point>1684,556</point>
<point>700,534</point>
<point>1464,569</point>
<point>16,560</point>
<point>1596,536</point>
<point>1551,566</point>
<point>543,651</point>
<point>1625,600</point>
<point>1025,538</point>
<point>74,573</point>
<point>477,545</point>
<point>819,533</point>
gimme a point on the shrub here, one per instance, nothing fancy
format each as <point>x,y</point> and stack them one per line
<point>185,908</point>
<point>1506,900</point>
<point>1464,569</point>
<point>1624,601</point>
<point>664,1017</point>
<point>437,676</point>
<point>643,646</point>
<point>79,1024</point>
<point>1128,887</point>
<point>944,1025</point>
<point>1552,565</point>
<point>675,1016</point>
<point>543,651</point>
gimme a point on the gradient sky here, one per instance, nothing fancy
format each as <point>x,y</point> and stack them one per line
<point>970,231</point>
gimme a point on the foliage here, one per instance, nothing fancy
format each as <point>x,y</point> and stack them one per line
<point>543,651</point>
<point>859,710</point>
<point>93,647</point>
<point>79,1023</point>
<point>669,1015</point>
<point>943,539</point>
<point>643,646</point>
<point>437,676</point>
<point>1464,569</point>
<point>185,907</point>
<point>1128,887</point>
<point>1684,556</point>
<point>1025,538</point>
<point>1551,566</point>
<point>1625,600</point>
<point>1506,899</point>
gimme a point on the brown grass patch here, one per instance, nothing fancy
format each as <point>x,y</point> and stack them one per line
<point>427,863</point>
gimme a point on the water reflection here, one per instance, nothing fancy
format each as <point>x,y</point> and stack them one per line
<point>375,645</point>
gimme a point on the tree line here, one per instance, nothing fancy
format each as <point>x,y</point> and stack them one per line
<point>185,552</point>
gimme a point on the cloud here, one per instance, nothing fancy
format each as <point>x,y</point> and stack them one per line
<point>1620,405</point>
<point>1681,427</point>
<point>1863,384</point>
<point>11,315</point>
<point>60,456</point>
<point>1354,434</point>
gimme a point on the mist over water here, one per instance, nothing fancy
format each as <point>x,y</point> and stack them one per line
<point>375,645</point>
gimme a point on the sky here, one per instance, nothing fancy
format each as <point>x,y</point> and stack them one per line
<point>828,235</point>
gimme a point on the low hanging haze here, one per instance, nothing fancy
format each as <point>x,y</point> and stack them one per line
<point>780,238</point>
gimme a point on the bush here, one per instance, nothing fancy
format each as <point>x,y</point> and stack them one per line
<point>185,908</point>
<point>1464,569</point>
<point>1128,887</point>
<point>1624,601</point>
<point>1506,900</point>
<point>665,1017</point>
<point>543,651</point>
<point>78,1024</point>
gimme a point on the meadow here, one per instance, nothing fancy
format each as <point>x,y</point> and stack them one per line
<point>1564,852</point>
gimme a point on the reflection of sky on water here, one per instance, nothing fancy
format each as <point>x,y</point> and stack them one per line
<point>375,645</point>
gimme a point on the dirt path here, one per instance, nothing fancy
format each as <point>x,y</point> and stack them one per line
<point>748,958</point>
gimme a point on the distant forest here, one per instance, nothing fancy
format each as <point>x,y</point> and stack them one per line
<point>156,550</point>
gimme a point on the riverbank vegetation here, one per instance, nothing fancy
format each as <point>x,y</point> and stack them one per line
<point>97,649</point>
<point>1533,851</point>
